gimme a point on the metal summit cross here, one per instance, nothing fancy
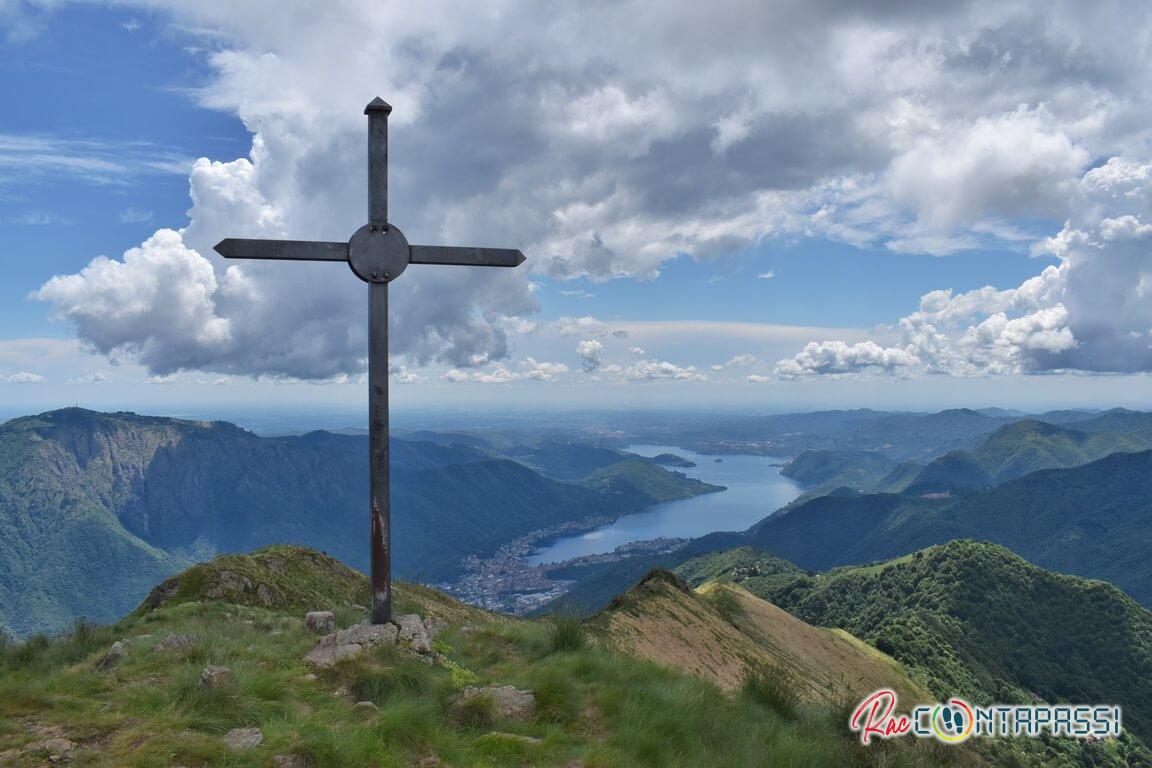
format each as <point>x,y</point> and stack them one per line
<point>377,253</point>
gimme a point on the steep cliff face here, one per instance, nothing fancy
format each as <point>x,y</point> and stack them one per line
<point>63,550</point>
<point>94,508</point>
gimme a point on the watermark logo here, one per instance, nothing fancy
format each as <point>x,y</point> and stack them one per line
<point>955,721</point>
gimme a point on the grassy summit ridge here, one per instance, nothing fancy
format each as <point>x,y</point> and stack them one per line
<point>723,633</point>
<point>596,707</point>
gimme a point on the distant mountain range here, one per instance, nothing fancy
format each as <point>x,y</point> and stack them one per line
<point>1093,520</point>
<point>96,508</point>
<point>1012,451</point>
<point>899,436</point>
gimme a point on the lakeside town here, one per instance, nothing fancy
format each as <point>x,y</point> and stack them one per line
<point>509,582</point>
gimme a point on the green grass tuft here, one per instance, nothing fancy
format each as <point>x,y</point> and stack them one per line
<point>566,634</point>
<point>775,687</point>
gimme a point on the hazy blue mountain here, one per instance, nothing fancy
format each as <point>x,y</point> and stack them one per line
<point>1118,420</point>
<point>565,459</point>
<point>94,508</point>
<point>824,471</point>
<point>1027,446</point>
<point>1012,451</point>
<point>1094,520</point>
<point>897,435</point>
<point>852,468</point>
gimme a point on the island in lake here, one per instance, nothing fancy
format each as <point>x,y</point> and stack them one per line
<point>672,460</point>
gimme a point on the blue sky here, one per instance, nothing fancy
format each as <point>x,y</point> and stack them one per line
<point>737,225</point>
<point>88,79</point>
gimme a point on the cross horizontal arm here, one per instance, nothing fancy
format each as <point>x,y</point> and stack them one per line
<point>291,250</point>
<point>475,257</point>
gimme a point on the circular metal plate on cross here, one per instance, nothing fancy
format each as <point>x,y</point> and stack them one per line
<point>378,254</point>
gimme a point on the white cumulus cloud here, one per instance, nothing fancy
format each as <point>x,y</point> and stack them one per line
<point>926,127</point>
<point>1090,312</point>
<point>528,369</point>
<point>589,351</point>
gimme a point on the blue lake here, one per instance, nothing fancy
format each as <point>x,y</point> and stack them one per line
<point>756,489</point>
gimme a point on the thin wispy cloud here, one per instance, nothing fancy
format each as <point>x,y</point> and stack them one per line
<point>39,219</point>
<point>25,158</point>
<point>134,216</point>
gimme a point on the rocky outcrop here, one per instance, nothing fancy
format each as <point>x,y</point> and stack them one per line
<point>413,634</point>
<point>175,642</point>
<point>407,632</point>
<point>349,643</point>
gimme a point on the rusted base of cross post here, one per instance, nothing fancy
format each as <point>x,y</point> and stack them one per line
<point>381,567</point>
<point>378,453</point>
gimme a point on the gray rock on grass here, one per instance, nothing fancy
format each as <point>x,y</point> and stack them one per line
<point>113,657</point>
<point>349,643</point>
<point>243,738</point>
<point>413,634</point>
<point>320,622</point>
<point>215,677</point>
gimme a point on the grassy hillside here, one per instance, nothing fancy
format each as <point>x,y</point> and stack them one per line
<point>739,564</point>
<point>595,706</point>
<point>723,633</point>
<point>96,508</point>
<point>976,619</point>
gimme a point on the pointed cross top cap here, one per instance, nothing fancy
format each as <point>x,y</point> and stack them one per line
<point>378,105</point>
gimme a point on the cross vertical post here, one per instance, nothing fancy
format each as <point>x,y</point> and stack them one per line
<point>378,437</point>
<point>377,253</point>
<point>378,468</point>
<point>378,161</point>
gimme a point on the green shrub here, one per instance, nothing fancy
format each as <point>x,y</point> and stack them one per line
<point>462,677</point>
